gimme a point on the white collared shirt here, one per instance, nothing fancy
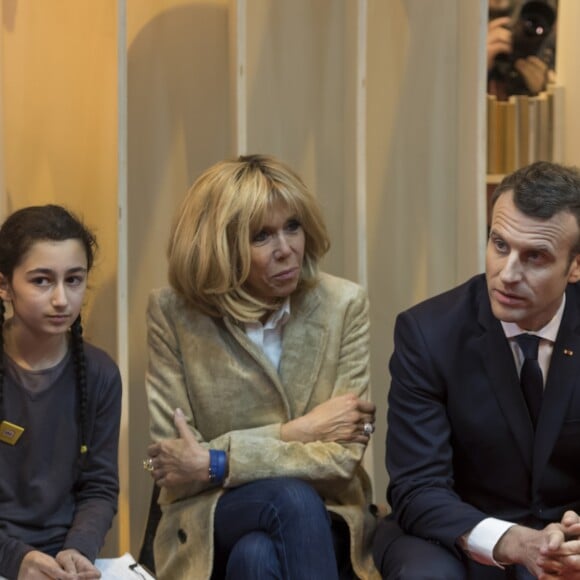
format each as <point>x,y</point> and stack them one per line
<point>483,538</point>
<point>268,336</point>
<point>547,336</point>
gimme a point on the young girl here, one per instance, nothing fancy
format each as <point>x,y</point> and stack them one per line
<point>60,403</point>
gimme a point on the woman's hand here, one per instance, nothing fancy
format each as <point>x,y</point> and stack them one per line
<point>39,566</point>
<point>340,420</point>
<point>181,460</point>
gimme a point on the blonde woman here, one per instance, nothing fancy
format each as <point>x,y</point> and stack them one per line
<point>258,372</point>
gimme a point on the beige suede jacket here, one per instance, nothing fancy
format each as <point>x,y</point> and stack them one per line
<point>235,400</point>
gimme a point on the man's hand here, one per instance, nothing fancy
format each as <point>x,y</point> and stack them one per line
<point>181,460</point>
<point>74,562</point>
<point>340,419</point>
<point>522,545</point>
<point>571,524</point>
<point>553,552</point>
<point>534,71</point>
<point>499,39</point>
<point>39,566</point>
<point>561,559</point>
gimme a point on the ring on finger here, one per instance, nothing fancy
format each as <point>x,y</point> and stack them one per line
<point>148,464</point>
<point>368,429</point>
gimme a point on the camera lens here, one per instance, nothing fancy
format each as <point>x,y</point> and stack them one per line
<point>531,28</point>
<point>536,19</point>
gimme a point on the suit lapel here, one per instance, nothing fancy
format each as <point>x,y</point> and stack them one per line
<point>561,381</point>
<point>504,380</point>
<point>303,346</point>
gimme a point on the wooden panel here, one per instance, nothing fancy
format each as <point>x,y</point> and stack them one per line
<point>60,131</point>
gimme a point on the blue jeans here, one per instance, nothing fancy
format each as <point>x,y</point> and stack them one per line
<point>273,528</point>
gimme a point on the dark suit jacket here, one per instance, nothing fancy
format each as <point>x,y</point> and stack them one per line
<point>460,444</point>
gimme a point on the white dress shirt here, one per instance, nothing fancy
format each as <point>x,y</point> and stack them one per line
<point>268,336</point>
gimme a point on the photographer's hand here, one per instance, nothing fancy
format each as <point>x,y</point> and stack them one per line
<point>534,71</point>
<point>499,39</point>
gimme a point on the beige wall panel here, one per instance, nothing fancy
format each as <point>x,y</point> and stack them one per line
<point>300,81</point>
<point>471,207</point>
<point>413,169</point>
<point>178,124</point>
<point>60,130</point>
<point>568,75</point>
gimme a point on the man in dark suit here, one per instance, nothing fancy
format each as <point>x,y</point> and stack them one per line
<point>484,477</point>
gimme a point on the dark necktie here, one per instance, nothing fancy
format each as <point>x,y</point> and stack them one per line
<point>531,379</point>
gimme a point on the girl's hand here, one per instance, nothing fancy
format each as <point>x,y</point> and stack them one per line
<point>80,566</point>
<point>39,566</point>
<point>340,420</point>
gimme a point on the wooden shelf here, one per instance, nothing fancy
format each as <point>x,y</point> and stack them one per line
<point>494,178</point>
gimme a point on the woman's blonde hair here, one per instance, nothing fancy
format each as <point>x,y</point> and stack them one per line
<point>210,245</point>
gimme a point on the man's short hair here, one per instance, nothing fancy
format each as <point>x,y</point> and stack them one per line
<point>543,189</point>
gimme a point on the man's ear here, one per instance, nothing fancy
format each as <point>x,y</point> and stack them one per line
<point>574,270</point>
<point>5,292</point>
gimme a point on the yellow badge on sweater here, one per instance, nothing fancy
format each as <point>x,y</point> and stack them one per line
<point>10,433</point>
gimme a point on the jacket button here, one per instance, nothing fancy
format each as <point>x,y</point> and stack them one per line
<point>182,536</point>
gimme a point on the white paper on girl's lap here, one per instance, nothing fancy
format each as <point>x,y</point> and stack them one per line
<point>123,568</point>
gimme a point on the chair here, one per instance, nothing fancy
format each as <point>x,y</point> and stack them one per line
<point>146,557</point>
